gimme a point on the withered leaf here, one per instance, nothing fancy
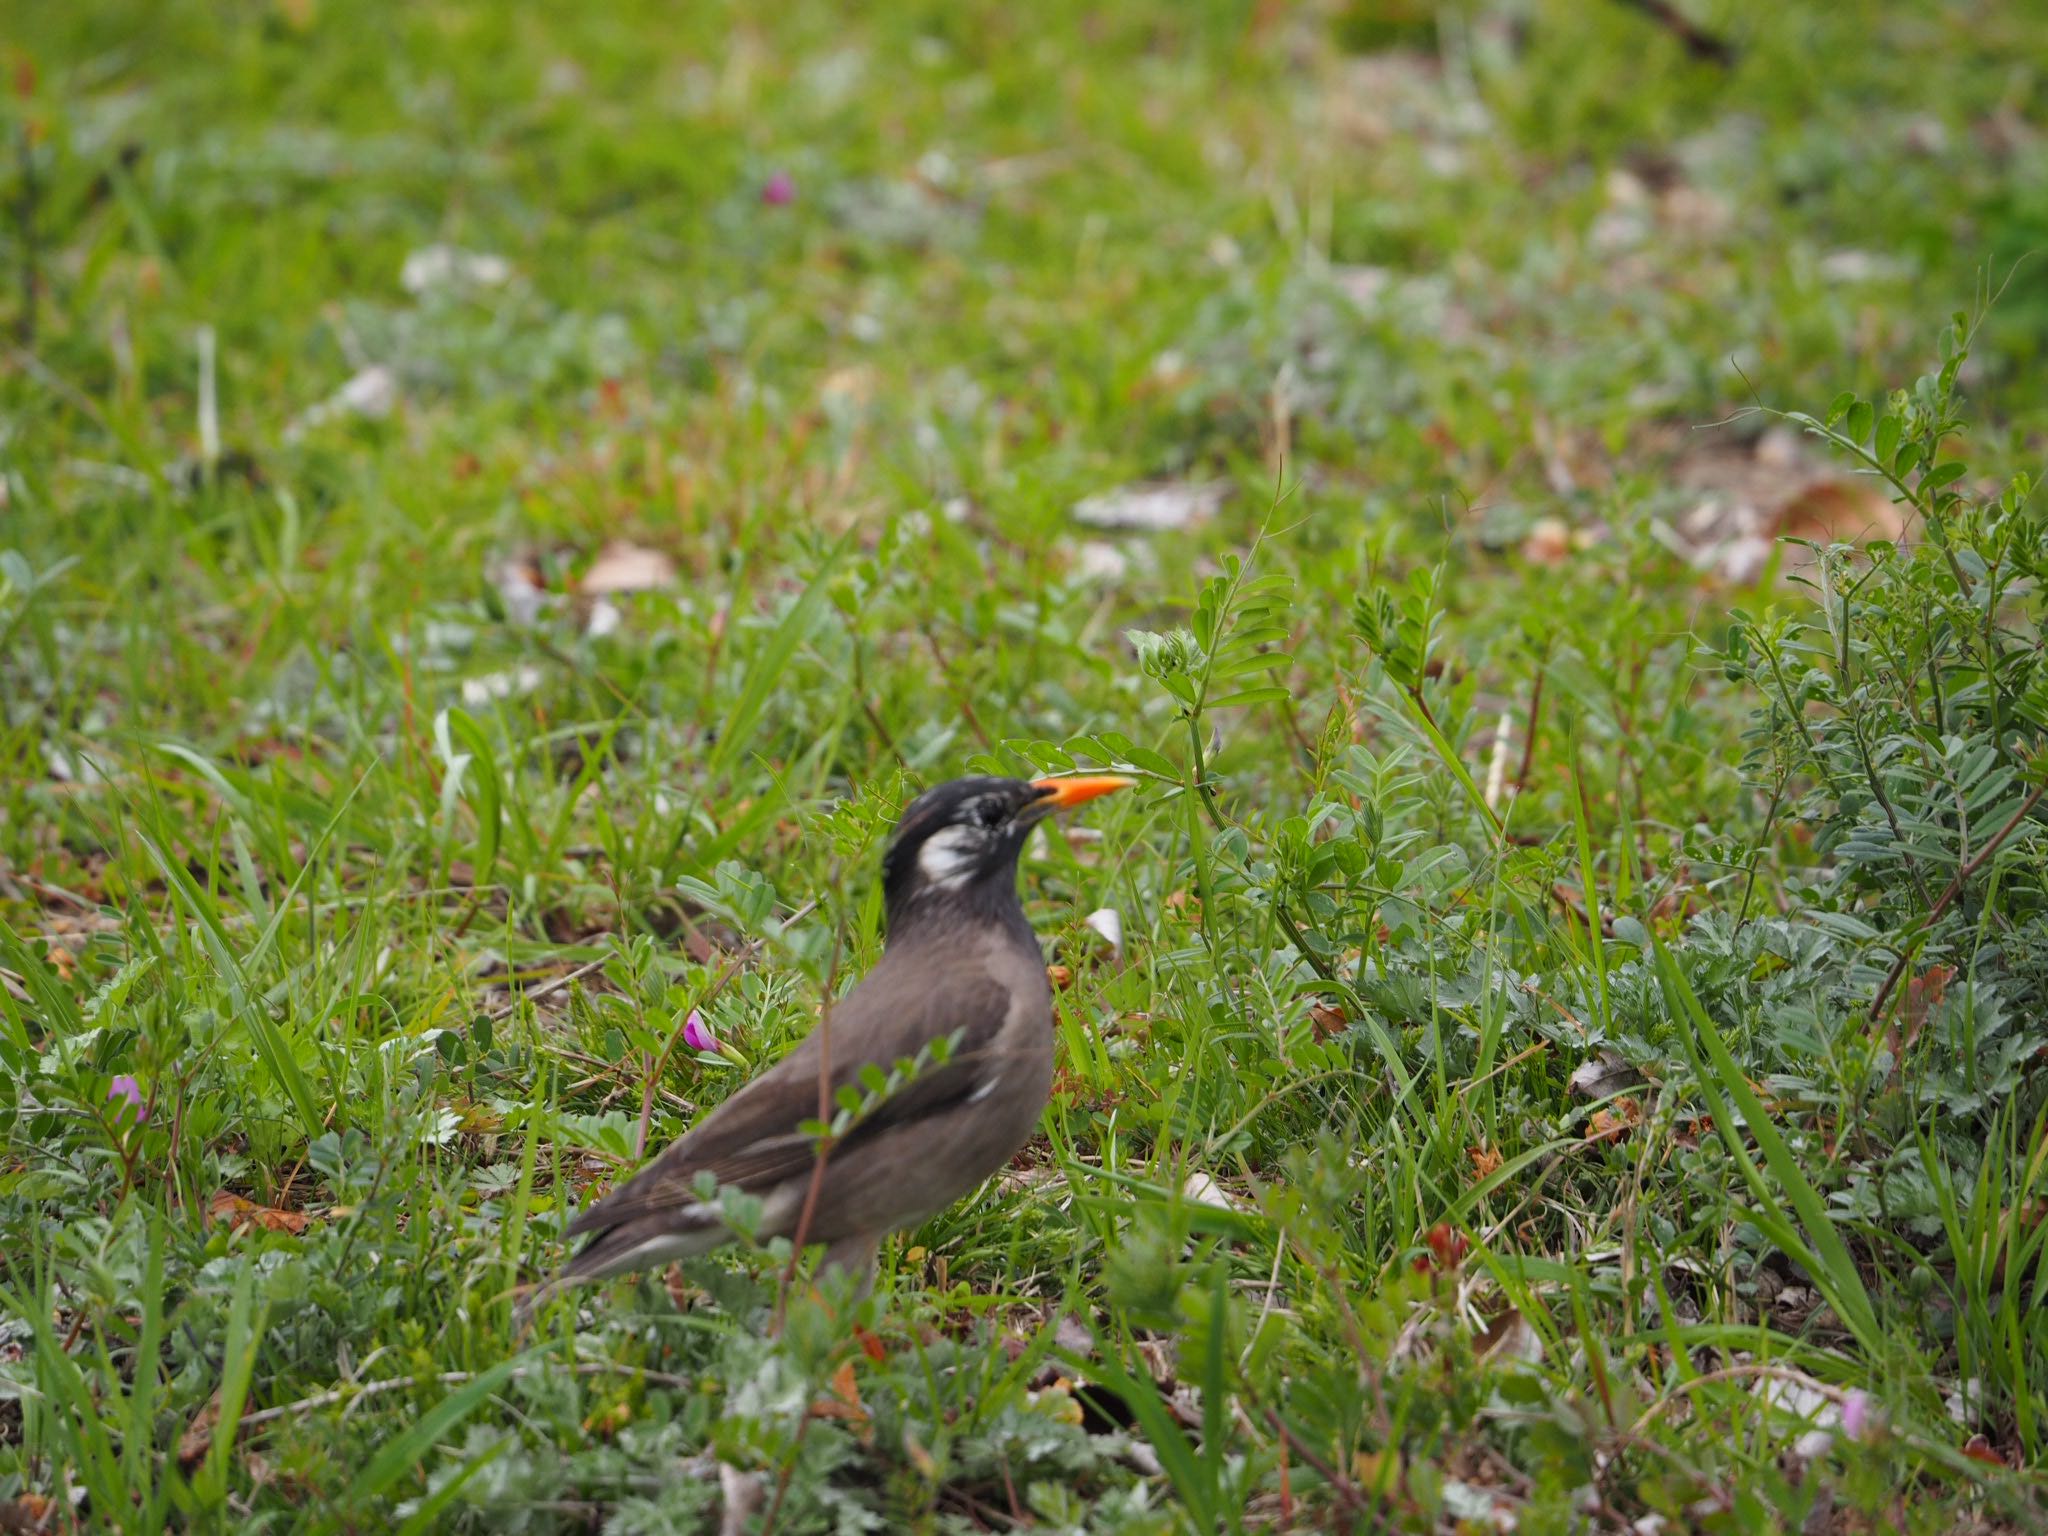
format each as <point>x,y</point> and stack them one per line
<point>240,1213</point>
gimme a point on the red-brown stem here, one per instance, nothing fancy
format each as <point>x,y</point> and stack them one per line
<point>1529,733</point>
<point>1955,888</point>
<point>810,1210</point>
<point>718,985</point>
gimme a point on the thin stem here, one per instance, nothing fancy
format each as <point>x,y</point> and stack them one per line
<point>1757,854</point>
<point>1799,719</point>
<point>817,1184</point>
<point>355,1394</point>
<point>1529,729</point>
<point>1955,887</point>
<point>1884,801</point>
<point>1204,793</point>
<point>718,985</point>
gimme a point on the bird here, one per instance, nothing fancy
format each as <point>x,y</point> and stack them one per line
<point>960,964</point>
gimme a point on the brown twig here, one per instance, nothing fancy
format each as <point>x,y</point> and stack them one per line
<point>718,985</point>
<point>959,695</point>
<point>1529,730</point>
<point>1697,41</point>
<point>860,692</point>
<point>355,1394</point>
<point>817,1184</point>
<point>1955,888</point>
<point>1346,1491</point>
<point>545,988</point>
<point>788,1470</point>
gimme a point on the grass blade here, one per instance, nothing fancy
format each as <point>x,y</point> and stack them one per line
<point>404,1452</point>
<point>1822,1250</point>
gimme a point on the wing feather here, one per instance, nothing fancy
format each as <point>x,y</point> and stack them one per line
<point>752,1140</point>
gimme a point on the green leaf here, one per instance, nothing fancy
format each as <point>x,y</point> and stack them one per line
<point>1821,1249</point>
<point>244,1338</point>
<point>455,725</point>
<point>769,668</point>
<point>1176,1453</point>
<point>405,1451</point>
<point>272,1049</point>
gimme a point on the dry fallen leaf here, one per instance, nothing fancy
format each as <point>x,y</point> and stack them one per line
<point>1158,507</point>
<point>844,1403</point>
<point>1508,1336</point>
<point>1061,977</point>
<point>1923,994</point>
<point>1615,1121</point>
<point>1328,1018</point>
<point>1980,1449</point>
<point>1549,542</point>
<point>1750,495</point>
<point>1601,1074</point>
<point>622,566</point>
<point>239,1213</point>
<point>198,1437</point>
<point>1485,1160</point>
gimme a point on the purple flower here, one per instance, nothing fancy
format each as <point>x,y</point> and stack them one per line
<point>779,191</point>
<point>1856,1415</point>
<point>129,1092</point>
<point>697,1034</point>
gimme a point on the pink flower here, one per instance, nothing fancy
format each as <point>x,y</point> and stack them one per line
<point>129,1092</point>
<point>780,190</point>
<point>1857,1419</point>
<point>697,1034</point>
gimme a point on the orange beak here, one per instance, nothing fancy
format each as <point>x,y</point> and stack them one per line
<point>1064,794</point>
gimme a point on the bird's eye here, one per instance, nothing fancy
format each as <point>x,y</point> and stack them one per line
<point>987,813</point>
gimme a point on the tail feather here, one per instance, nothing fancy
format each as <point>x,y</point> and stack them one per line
<point>646,1241</point>
<point>643,1242</point>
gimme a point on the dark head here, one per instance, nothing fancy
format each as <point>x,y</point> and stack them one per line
<point>956,847</point>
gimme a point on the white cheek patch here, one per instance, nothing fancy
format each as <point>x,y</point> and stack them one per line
<point>949,856</point>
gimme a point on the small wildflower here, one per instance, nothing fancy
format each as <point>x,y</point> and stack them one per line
<point>697,1034</point>
<point>129,1092</point>
<point>779,191</point>
<point>1856,1415</point>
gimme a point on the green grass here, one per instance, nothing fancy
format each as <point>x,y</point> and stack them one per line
<point>1429,1155</point>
